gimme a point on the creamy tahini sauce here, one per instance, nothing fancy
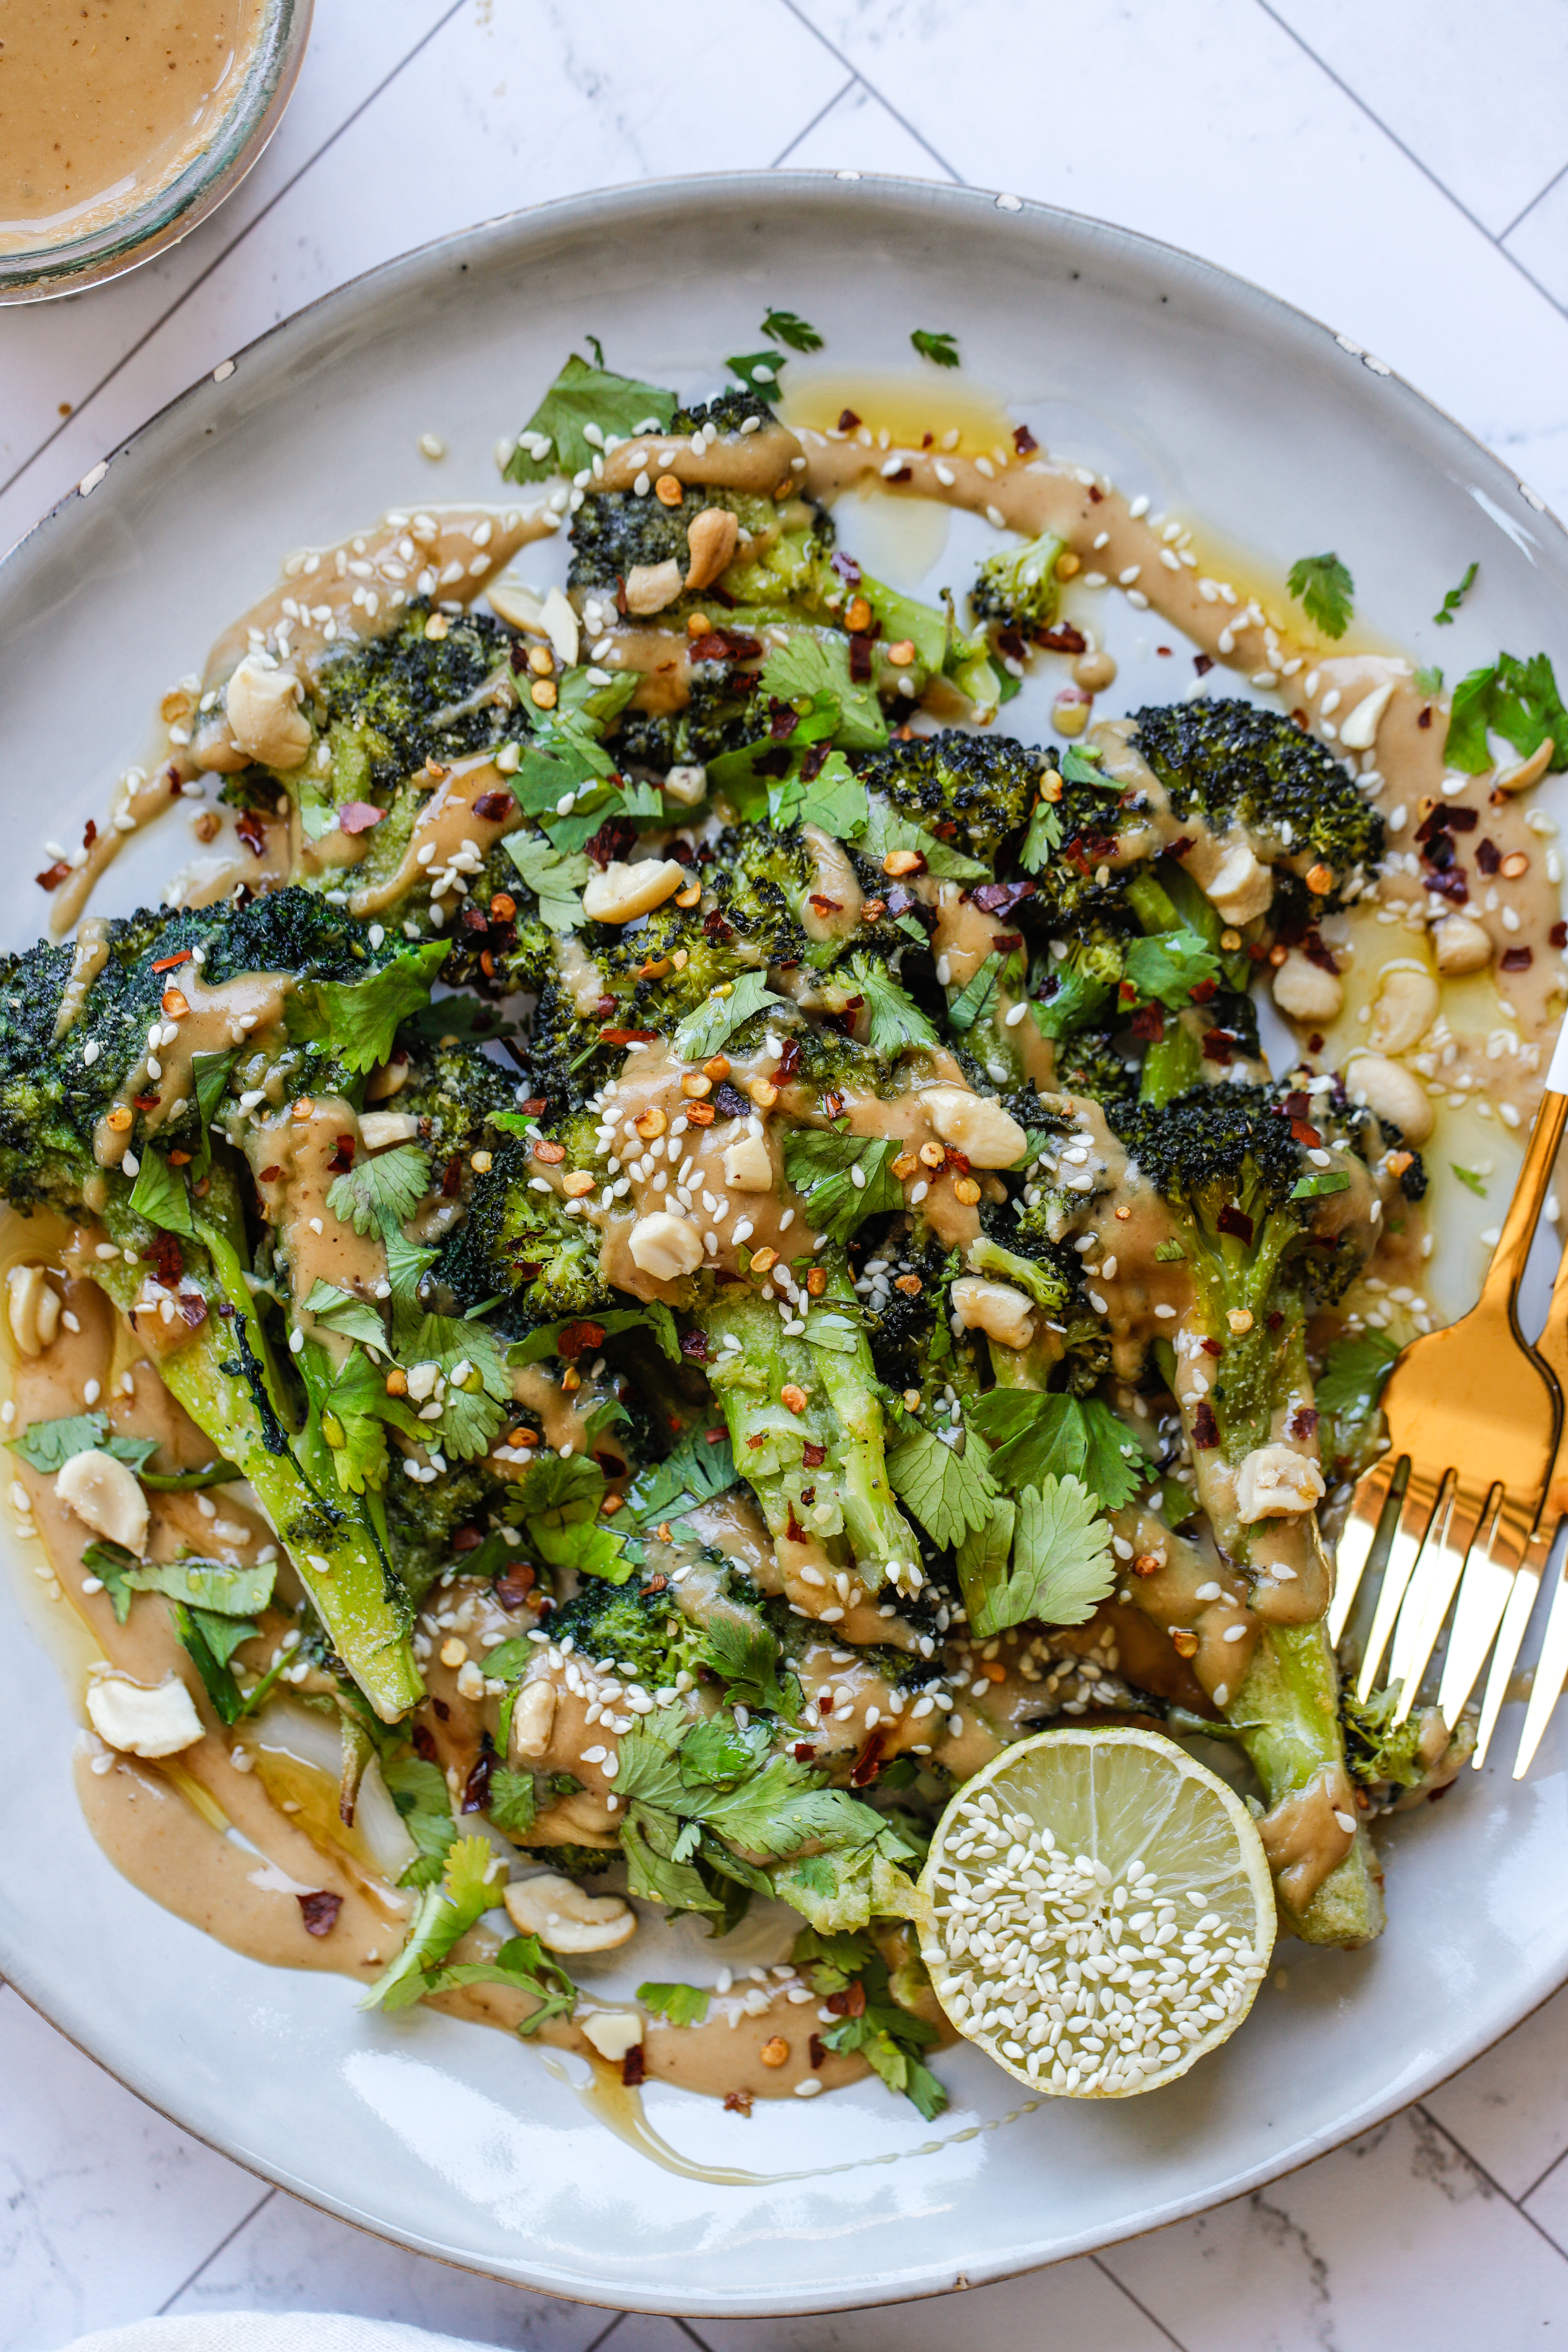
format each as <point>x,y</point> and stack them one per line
<point>103,102</point>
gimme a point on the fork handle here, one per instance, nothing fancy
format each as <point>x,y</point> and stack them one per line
<point>1500,1288</point>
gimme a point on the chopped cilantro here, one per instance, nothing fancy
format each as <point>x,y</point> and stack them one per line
<point>1454,598</point>
<point>789,328</point>
<point>1516,699</point>
<point>823,1164</point>
<point>380,1190</point>
<point>557,440</point>
<point>1324,589</point>
<point>555,880</point>
<point>1035,1434</point>
<point>940,350</point>
<point>715,1021</point>
<point>948,1491</point>
<point>897,1023</point>
<point>1063,1566</point>
<point>683,2004</point>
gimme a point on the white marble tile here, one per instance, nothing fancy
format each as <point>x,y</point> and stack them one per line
<point>105,2208</point>
<point>1476,93</point>
<point>56,353</point>
<point>1073,2307</point>
<point>1509,2109</point>
<point>1212,129</point>
<point>1396,2240</point>
<point>466,135</point>
<point>288,2257</point>
<point>858,133</point>
<point>1540,242</point>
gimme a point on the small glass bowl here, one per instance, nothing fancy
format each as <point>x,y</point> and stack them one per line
<point>108,251</point>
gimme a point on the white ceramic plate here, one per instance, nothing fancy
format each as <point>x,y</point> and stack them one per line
<point>1182,382</point>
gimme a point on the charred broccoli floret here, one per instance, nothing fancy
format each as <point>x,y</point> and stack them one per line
<point>1236,765</point>
<point>392,702</point>
<point>975,791</point>
<point>1020,587</point>
<point>521,1244</point>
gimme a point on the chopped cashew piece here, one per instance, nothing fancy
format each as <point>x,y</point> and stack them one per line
<point>519,606</point>
<point>686,786</point>
<point>1004,1314</point>
<point>620,893</point>
<point>559,623</point>
<point>1358,732</point>
<point>710,537</point>
<point>388,1079</point>
<point>651,586</point>
<point>567,1918</point>
<point>1407,1002</point>
<point>1305,991</point>
<point>665,1246</point>
<point>1275,1482</point>
<point>748,1167</point>
<point>33,1306</point>
<point>1230,876</point>
<point>264,717</point>
<point>974,1125</point>
<point>139,1721</point>
<point>1529,771</point>
<point>533,1718</point>
<point>380,1126</point>
<point>104,1494</point>
<point>1393,1093</point>
<point>613,2032</point>
<point>1461,944</point>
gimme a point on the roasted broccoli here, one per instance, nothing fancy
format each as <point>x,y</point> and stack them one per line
<point>1020,587</point>
<point>973,790</point>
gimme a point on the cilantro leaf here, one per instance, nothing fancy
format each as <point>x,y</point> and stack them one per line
<point>351,1316</point>
<point>1516,699</point>
<point>898,1025</point>
<point>1320,1183</point>
<point>834,798</point>
<point>1324,589</point>
<point>1045,834</point>
<point>823,1165</point>
<point>693,1472</point>
<point>522,1964</point>
<point>886,830</point>
<point>208,1584</point>
<point>715,1021</point>
<point>683,2004</point>
<point>1429,681</point>
<point>556,881</point>
<point>512,1800</point>
<point>789,328</point>
<point>744,1653</point>
<point>812,662</point>
<point>355,1412</point>
<point>1454,598</point>
<point>44,1445</point>
<point>381,1190</point>
<point>419,1791</point>
<point>758,371</point>
<point>1063,1566</point>
<point>113,1566</point>
<point>716,1751</point>
<point>554,440</point>
<point>1471,1180</point>
<point>1036,1435</point>
<point>1353,1373</point>
<point>948,1492</point>
<point>783,1807</point>
<point>160,1194</point>
<point>358,1019</point>
<point>975,1001</point>
<point>476,1386</point>
<point>544,1339</point>
<point>1168,965</point>
<point>211,1640</point>
<point>445,1914</point>
<point>941,350</point>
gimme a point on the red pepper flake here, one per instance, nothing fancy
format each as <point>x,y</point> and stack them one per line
<point>738,2103</point>
<point>1063,639</point>
<point>1202,990</point>
<point>754,1442</point>
<point>788,1062</point>
<point>899,474</point>
<point>494,807</point>
<point>817,2050</point>
<point>634,2067</point>
<point>999,898</point>
<point>1425,717</point>
<point>1181,845</point>
<point>452,1177</point>
<point>476,1787</point>
<point>869,1762</point>
<point>147,1102</point>
<point>320,1912</point>
<point>1149,1022</point>
<point>850,2001</point>
<point>1213,1347</point>
<point>812,1457</point>
<point>252,832</point>
<point>1095,494</point>
<point>1024,440</point>
<point>695,1345</point>
<point>1557,936</point>
<point>826,905</point>
<point>724,644</point>
<point>1488,857</point>
<point>795,1531</point>
<point>342,1158</point>
<point>52,875</point>
<point>579,1338</point>
<point>1232,1219</point>
<point>1218,1046</point>
<point>167,1261</point>
<point>1201,662</point>
<point>1516,959</point>
<point>848,421</point>
<point>860,659</point>
<point>1304,1422</point>
<point>167,963</point>
<point>617,1037</point>
<point>1306,1135</point>
<point>511,1591</point>
<point>714,1436</point>
<point>803,1751</point>
<point>1205,1429</point>
<point>191,1308</point>
<point>358,816</point>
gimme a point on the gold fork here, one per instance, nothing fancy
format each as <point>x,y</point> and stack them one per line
<point>1475,1413</point>
<point>1551,1665</point>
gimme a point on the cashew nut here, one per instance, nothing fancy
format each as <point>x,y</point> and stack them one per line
<point>613,2032</point>
<point>748,1167</point>
<point>1003,1313</point>
<point>1305,991</point>
<point>1528,772</point>
<point>651,586</point>
<point>388,1079</point>
<point>834,878</point>
<point>264,717</point>
<point>686,786</point>
<point>140,1721</point>
<point>1236,885</point>
<point>665,1246</point>
<point>558,1911</point>
<point>519,606</point>
<point>623,892</point>
<point>974,1125</point>
<point>559,623</point>
<point>104,1494</point>
<point>1358,732</point>
<point>1275,1482</point>
<point>380,1126</point>
<point>533,1718</point>
<point>710,537</point>
<point>1461,944</point>
<point>1407,1002</point>
<point>33,1305</point>
<point>1392,1093</point>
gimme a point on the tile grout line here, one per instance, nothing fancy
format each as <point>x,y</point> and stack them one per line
<point>1409,152</point>
<point>1418,2107</point>
<point>820,115</point>
<point>687,2330</point>
<point>1540,2180</point>
<point>1122,2286</point>
<point>213,2253</point>
<point>233,247</point>
<point>834,50</point>
<point>605,2333</point>
<point>1539,197</point>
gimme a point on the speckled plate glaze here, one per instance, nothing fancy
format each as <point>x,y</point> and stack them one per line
<point>1179,381</point>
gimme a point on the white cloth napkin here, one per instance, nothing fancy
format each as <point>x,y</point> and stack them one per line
<point>262,2331</point>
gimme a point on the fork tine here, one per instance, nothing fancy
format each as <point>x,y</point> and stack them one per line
<point>1485,1595</point>
<point>1550,1670</point>
<point>1421,1500</point>
<point>1511,1637</point>
<point>1355,1544</point>
<point>1431,1591</point>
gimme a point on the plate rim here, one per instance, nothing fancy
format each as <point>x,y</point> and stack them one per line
<point>614,205</point>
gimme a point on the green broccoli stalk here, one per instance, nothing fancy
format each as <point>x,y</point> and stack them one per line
<point>1019,588</point>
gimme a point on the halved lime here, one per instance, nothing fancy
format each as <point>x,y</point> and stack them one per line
<point>1102,1912</point>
